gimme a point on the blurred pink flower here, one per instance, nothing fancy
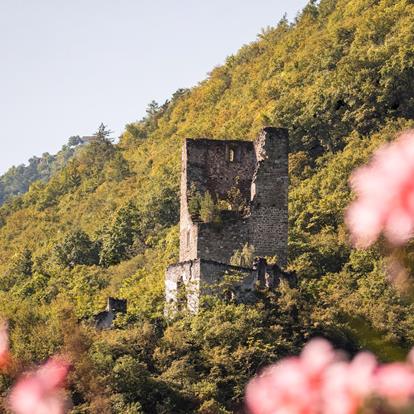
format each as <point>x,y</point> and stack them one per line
<point>410,357</point>
<point>4,345</point>
<point>41,392</point>
<point>361,372</point>
<point>395,382</point>
<point>292,386</point>
<point>336,396</point>
<point>385,195</point>
<point>317,355</point>
<point>346,384</point>
<point>321,381</point>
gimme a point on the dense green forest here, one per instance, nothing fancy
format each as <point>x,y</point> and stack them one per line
<point>341,79</point>
<point>17,180</point>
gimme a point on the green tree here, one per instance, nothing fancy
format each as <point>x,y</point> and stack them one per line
<point>194,202</point>
<point>77,249</point>
<point>23,264</point>
<point>243,257</point>
<point>118,168</point>
<point>103,133</point>
<point>119,238</point>
<point>209,212</point>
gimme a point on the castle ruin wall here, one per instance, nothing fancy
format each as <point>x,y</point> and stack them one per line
<point>269,216</point>
<point>259,170</point>
<point>213,166</point>
<point>183,275</point>
<point>220,241</point>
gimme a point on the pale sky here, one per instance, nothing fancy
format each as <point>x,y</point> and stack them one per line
<point>68,65</point>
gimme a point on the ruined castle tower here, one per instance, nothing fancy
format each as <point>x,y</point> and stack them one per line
<point>259,172</point>
<point>269,195</point>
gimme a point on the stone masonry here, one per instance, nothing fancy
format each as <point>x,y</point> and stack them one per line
<point>105,319</point>
<point>259,172</point>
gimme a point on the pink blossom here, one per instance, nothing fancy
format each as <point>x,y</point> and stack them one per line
<point>361,374</point>
<point>4,345</point>
<point>292,386</point>
<point>385,195</point>
<point>319,381</point>
<point>317,355</point>
<point>281,388</point>
<point>41,391</point>
<point>410,357</point>
<point>395,382</point>
<point>346,384</point>
<point>336,395</point>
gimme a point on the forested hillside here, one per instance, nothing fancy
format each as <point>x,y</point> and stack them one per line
<point>341,79</point>
<point>17,180</point>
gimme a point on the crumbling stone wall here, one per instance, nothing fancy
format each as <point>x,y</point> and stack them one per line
<point>220,241</point>
<point>105,319</point>
<point>241,284</point>
<point>269,210</point>
<point>259,170</point>
<point>213,166</point>
<point>199,277</point>
<point>193,279</point>
<point>217,166</point>
<point>184,275</point>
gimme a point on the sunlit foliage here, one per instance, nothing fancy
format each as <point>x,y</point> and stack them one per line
<point>341,79</point>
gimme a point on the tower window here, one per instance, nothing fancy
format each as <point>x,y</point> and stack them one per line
<point>188,238</point>
<point>233,153</point>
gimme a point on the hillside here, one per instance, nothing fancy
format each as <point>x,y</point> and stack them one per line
<point>17,180</point>
<point>341,79</point>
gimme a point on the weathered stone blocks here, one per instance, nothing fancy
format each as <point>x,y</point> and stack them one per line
<point>259,172</point>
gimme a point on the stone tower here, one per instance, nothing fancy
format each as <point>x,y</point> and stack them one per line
<point>259,172</point>
<point>269,195</point>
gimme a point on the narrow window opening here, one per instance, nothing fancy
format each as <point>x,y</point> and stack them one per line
<point>188,238</point>
<point>231,155</point>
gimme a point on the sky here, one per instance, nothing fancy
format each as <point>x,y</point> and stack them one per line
<point>68,65</point>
